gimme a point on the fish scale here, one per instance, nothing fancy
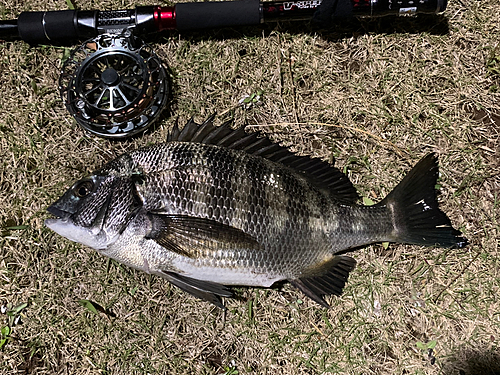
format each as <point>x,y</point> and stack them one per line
<point>249,211</point>
<point>215,207</point>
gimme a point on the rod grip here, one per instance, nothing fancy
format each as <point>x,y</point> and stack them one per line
<point>192,16</point>
<point>44,27</point>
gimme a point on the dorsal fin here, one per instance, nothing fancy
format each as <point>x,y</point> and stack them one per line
<point>322,173</point>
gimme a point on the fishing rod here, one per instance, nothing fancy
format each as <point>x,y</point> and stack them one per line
<point>64,25</point>
<point>114,84</point>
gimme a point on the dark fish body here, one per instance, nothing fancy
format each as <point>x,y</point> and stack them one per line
<point>215,207</point>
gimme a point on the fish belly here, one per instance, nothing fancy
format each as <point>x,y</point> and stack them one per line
<point>226,276</point>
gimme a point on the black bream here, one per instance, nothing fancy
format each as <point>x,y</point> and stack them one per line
<point>215,207</point>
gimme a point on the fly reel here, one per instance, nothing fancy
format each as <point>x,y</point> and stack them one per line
<point>114,85</point>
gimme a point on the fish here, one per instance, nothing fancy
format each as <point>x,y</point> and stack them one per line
<point>214,207</point>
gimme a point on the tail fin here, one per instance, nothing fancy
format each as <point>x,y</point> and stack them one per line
<point>415,213</point>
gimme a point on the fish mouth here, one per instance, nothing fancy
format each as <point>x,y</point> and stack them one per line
<point>58,213</point>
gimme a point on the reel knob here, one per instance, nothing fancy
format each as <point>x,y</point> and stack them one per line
<point>115,86</point>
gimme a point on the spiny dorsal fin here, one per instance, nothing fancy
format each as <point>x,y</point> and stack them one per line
<point>322,173</point>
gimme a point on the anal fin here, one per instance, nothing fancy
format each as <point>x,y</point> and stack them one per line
<point>330,282</point>
<point>205,290</point>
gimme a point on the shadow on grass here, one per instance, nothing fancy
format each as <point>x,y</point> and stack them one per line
<point>473,362</point>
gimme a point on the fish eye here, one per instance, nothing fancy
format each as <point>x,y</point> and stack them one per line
<point>83,188</point>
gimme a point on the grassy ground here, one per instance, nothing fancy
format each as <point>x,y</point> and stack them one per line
<point>377,97</point>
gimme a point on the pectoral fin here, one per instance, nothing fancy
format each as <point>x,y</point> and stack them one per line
<point>194,237</point>
<point>330,281</point>
<point>205,290</point>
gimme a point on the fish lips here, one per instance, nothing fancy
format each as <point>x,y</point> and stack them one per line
<point>58,213</point>
<point>60,216</point>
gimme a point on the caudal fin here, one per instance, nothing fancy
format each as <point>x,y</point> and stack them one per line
<point>414,207</point>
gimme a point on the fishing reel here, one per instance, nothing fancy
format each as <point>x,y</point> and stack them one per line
<point>114,86</point>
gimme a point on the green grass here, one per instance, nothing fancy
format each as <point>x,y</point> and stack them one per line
<point>377,102</point>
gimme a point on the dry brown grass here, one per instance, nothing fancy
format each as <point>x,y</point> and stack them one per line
<point>377,102</point>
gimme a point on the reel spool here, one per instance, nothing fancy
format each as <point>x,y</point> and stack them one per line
<point>114,86</point>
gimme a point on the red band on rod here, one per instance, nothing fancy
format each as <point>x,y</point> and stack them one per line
<point>165,18</point>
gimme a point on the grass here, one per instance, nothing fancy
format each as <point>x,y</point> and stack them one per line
<point>376,101</point>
